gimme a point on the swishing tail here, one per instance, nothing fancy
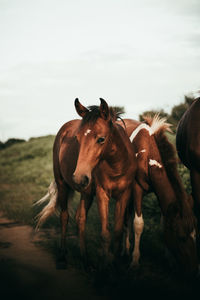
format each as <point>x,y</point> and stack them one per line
<point>50,208</point>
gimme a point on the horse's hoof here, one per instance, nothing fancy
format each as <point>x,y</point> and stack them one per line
<point>61,262</point>
<point>134,265</point>
<point>85,263</point>
<point>61,265</point>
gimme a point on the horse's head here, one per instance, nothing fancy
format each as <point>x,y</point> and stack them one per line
<point>93,137</point>
<point>180,236</point>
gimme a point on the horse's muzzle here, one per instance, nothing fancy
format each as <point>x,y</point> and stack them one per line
<point>81,181</point>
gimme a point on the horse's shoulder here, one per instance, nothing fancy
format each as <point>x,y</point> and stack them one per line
<point>70,126</point>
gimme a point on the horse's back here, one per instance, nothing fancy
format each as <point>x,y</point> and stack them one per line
<point>188,136</point>
<point>65,151</point>
<point>130,125</point>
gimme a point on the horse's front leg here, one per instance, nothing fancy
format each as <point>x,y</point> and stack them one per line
<point>81,217</point>
<point>120,209</point>
<point>138,224</point>
<point>103,207</point>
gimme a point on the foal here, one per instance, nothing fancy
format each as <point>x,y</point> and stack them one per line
<point>93,156</point>
<point>157,172</point>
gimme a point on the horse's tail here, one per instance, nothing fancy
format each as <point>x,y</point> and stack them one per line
<point>50,208</point>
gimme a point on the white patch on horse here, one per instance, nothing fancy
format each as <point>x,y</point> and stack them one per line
<point>138,225</point>
<point>153,162</point>
<point>193,235</point>
<point>87,132</point>
<point>196,95</point>
<point>137,130</point>
<point>156,124</point>
<point>142,151</point>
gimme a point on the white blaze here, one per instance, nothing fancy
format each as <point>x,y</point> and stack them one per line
<point>87,132</point>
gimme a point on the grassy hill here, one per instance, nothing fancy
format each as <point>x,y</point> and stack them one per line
<point>25,173</point>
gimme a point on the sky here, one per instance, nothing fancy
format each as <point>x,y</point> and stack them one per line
<point>139,54</point>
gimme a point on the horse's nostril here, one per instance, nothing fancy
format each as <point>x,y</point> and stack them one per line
<point>85,181</point>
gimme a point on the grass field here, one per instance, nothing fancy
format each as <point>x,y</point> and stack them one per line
<point>25,174</point>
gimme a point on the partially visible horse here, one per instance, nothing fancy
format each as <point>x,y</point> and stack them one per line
<point>157,172</point>
<point>95,157</point>
<point>188,148</point>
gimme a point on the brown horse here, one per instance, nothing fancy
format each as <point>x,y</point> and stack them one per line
<point>188,147</point>
<point>157,172</point>
<point>93,156</point>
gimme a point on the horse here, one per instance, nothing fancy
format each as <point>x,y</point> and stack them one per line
<point>93,156</point>
<point>157,172</point>
<point>188,148</point>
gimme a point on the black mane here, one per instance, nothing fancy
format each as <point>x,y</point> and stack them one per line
<point>94,113</point>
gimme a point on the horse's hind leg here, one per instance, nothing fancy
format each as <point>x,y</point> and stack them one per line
<point>138,224</point>
<point>81,217</point>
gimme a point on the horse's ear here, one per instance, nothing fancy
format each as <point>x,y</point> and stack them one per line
<point>81,110</point>
<point>104,110</point>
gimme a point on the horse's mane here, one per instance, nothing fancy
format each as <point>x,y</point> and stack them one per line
<point>169,160</point>
<point>167,151</point>
<point>94,114</point>
<point>157,123</point>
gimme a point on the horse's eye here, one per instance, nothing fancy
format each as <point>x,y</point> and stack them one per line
<point>101,140</point>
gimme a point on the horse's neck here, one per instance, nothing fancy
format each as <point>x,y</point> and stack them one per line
<point>117,155</point>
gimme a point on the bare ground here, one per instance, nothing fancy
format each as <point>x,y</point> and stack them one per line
<point>28,271</point>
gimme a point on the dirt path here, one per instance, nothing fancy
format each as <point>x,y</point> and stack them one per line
<point>28,272</point>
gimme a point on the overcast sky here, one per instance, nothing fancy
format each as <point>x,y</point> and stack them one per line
<point>140,54</point>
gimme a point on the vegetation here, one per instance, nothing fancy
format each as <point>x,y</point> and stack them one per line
<point>176,112</point>
<point>10,142</point>
<point>25,173</point>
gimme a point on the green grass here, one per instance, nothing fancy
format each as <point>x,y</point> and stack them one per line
<point>25,174</point>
